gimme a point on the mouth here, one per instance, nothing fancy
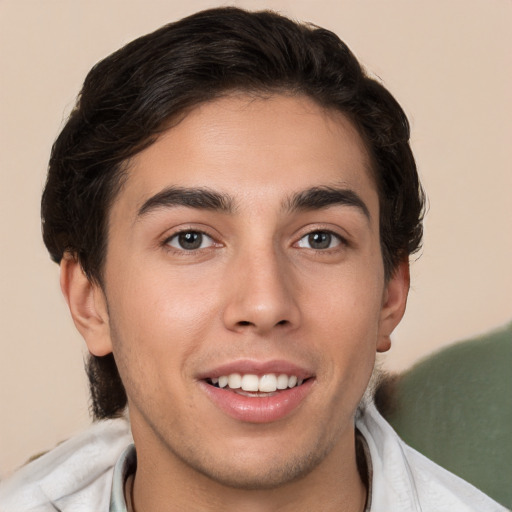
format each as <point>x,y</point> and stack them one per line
<point>255,386</point>
<point>257,393</point>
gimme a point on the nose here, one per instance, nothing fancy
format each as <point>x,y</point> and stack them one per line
<point>262,294</point>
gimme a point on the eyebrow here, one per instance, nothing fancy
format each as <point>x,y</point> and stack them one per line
<point>317,198</point>
<point>200,198</point>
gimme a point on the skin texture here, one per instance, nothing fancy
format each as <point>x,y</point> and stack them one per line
<point>256,290</point>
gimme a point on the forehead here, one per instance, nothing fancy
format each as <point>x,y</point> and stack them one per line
<point>252,147</point>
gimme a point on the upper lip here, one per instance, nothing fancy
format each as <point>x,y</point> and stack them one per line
<point>247,366</point>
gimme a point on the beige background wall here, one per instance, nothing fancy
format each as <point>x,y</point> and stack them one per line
<point>448,63</point>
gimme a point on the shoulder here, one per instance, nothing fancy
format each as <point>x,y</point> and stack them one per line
<point>405,480</point>
<point>75,476</point>
<point>442,490</point>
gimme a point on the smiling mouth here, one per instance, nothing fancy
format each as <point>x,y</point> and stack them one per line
<point>252,385</point>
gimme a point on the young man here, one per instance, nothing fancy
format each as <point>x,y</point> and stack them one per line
<point>233,202</point>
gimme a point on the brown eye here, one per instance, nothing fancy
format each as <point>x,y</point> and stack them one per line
<point>190,240</point>
<point>319,240</point>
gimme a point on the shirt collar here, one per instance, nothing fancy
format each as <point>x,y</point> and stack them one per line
<point>125,466</point>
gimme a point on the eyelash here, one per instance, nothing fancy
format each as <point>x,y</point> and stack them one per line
<point>175,236</point>
<point>341,241</point>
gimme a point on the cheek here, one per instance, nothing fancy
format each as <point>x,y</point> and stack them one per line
<point>344,318</point>
<point>156,324</point>
<point>349,297</point>
<point>159,315</point>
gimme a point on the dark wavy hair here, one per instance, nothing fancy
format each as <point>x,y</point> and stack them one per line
<point>133,95</point>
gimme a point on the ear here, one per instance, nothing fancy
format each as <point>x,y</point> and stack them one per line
<point>87,305</point>
<point>393,304</point>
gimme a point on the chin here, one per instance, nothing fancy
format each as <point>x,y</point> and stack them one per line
<point>269,477</point>
<point>261,473</point>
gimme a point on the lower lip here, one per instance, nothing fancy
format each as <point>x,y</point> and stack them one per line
<point>263,409</point>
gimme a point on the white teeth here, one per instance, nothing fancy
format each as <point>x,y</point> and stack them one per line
<point>250,382</point>
<point>268,383</point>
<point>282,381</point>
<point>235,381</point>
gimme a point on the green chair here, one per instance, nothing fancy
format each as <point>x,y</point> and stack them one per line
<point>455,407</point>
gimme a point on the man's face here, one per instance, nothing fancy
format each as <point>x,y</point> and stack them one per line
<point>245,241</point>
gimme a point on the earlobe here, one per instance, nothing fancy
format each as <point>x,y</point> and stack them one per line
<point>87,305</point>
<point>393,305</point>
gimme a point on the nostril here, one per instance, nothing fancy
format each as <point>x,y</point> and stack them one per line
<point>262,324</point>
<point>245,323</point>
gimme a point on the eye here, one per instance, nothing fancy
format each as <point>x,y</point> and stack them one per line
<point>190,240</point>
<point>320,240</point>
